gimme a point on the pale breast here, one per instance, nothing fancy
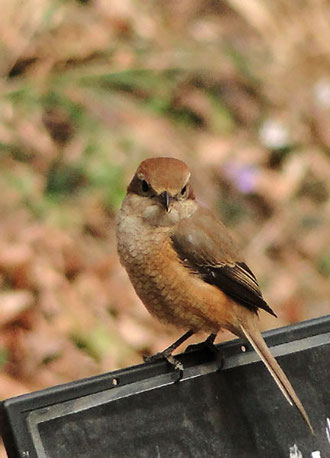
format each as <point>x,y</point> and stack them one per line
<point>165,286</point>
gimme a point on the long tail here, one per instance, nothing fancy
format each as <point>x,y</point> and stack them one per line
<point>256,340</point>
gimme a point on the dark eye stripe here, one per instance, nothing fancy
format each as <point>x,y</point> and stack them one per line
<point>145,186</point>
<point>183,190</point>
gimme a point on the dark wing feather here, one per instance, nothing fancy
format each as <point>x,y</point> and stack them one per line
<point>238,282</point>
<point>204,245</point>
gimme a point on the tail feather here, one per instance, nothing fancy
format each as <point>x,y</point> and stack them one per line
<point>256,340</point>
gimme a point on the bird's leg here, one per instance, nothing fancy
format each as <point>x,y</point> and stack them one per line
<point>209,344</point>
<point>167,353</point>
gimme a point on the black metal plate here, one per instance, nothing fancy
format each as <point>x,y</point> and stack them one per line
<point>235,412</point>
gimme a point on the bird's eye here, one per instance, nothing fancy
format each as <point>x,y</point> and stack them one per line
<point>144,185</point>
<point>184,190</point>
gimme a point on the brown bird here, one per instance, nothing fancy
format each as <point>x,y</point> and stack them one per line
<point>186,268</point>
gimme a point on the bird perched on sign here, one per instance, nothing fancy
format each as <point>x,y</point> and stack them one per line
<point>186,268</point>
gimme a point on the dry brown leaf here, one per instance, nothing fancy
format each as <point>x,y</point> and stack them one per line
<point>13,303</point>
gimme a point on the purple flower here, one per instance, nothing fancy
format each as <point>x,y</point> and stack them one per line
<point>244,177</point>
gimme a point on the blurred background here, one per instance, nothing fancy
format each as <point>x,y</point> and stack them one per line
<point>238,90</point>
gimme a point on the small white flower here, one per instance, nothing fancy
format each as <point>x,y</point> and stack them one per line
<point>274,134</point>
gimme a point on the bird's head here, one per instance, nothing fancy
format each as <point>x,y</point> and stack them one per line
<point>163,189</point>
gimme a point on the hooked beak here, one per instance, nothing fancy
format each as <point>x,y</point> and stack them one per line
<point>165,199</point>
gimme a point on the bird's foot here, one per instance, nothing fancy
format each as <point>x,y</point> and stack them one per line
<point>176,364</point>
<point>209,345</point>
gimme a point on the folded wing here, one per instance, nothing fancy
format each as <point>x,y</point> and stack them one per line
<point>203,244</point>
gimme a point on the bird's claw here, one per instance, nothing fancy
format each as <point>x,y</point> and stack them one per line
<point>177,365</point>
<point>153,358</point>
<point>207,344</point>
